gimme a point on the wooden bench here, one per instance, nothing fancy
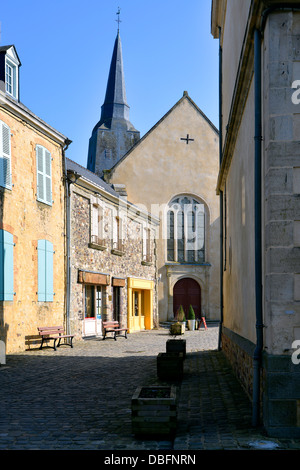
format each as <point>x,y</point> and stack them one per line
<point>54,333</point>
<point>113,327</point>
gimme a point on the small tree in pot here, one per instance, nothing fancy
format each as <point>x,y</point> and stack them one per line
<point>191,318</point>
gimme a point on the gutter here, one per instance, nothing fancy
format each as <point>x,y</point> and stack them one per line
<point>220,192</point>
<point>257,356</point>
<point>67,221</point>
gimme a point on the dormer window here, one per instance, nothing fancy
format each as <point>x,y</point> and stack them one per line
<point>11,78</point>
<point>9,71</point>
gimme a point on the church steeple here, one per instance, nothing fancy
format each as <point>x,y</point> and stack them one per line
<point>115,104</point>
<point>114,134</point>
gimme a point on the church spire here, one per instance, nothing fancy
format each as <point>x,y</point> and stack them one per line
<point>114,134</point>
<point>115,104</point>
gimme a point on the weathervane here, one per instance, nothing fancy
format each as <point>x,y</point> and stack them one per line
<point>118,19</point>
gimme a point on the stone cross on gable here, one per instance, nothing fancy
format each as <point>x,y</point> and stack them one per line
<point>187,139</point>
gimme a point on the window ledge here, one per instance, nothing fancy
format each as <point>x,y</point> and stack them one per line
<point>147,263</point>
<point>97,246</point>
<point>114,251</point>
<point>177,263</point>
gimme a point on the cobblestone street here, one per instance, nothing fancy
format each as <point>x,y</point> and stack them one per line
<point>80,398</point>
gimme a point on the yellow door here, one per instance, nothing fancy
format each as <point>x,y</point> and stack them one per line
<point>138,305</point>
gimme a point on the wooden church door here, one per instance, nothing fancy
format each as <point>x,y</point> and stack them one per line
<point>187,292</point>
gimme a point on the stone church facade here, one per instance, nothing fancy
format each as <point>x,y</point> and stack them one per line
<point>171,172</point>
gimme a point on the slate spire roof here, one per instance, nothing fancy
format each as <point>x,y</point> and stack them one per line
<point>115,104</point>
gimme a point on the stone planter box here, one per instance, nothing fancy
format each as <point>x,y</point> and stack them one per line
<point>170,366</point>
<point>154,411</point>
<point>176,345</point>
<point>177,329</point>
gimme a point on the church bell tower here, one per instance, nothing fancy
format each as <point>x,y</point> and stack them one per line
<point>114,134</point>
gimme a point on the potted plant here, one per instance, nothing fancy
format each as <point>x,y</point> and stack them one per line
<point>178,328</point>
<point>191,318</point>
<point>154,410</point>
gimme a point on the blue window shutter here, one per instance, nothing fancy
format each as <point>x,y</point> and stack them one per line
<point>5,156</point>
<point>41,270</point>
<point>49,271</point>
<point>6,266</point>
<point>45,271</point>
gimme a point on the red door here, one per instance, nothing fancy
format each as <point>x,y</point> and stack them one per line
<point>187,292</point>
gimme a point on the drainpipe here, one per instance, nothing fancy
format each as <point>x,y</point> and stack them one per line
<point>67,219</point>
<point>257,230</point>
<point>257,207</point>
<point>221,193</point>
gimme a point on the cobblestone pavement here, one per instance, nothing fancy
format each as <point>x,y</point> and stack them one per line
<point>80,398</point>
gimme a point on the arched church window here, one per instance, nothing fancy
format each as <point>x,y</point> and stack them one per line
<point>186,230</point>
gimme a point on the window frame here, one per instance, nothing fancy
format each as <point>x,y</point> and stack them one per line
<point>9,63</point>
<point>180,242</point>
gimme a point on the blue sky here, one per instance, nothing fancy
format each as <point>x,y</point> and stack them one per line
<point>66,46</point>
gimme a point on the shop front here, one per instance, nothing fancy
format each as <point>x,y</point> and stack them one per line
<point>140,304</point>
<point>95,293</point>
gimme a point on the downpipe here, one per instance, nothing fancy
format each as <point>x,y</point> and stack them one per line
<point>257,356</point>
<point>221,194</point>
<point>258,233</point>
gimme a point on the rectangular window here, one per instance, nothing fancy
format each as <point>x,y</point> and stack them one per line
<point>44,178</point>
<point>97,214</point>
<point>6,266</point>
<point>118,234</point>
<point>146,245</point>
<point>45,271</point>
<point>5,156</point>
<point>11,79</point>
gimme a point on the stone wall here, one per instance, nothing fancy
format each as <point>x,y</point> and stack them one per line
<point>86,257</point>
<point>30,220</point>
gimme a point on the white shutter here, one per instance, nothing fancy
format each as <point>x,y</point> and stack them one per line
<point>40,172</point>
<point>5,157</point>
<point>47,174</point>
<point>44,179</point>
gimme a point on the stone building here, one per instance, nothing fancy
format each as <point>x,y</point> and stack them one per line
<point>113,273</point>
<point>172,172</point>
<point>114,134</point>
<point>259,186</point>
<point>32,225</point>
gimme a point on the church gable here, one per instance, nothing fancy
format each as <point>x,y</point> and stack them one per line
<point>182,146</point>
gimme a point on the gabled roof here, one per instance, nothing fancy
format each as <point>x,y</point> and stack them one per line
<point>185,96</point>
<point>89,175</point>
<point>6,48</point>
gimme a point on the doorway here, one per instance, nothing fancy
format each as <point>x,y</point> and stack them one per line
<point>187,292</point>
<point>93,308</point>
